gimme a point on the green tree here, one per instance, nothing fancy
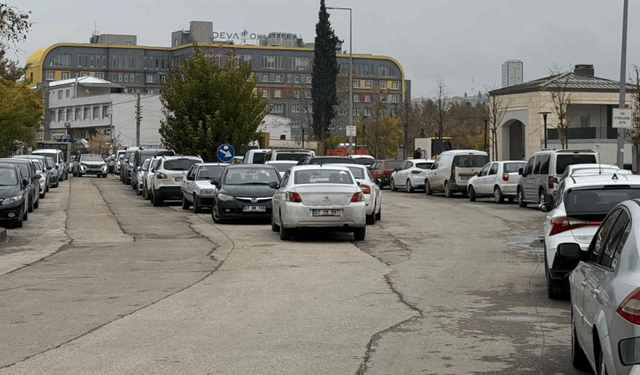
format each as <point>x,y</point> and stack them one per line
<point>324,74</point>
<point>20,112</point>
<point>206,105</point>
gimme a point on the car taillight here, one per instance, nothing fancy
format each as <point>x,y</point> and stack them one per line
<point>629,309</point>
<point>416,171</point>
<point>453,171</point>
<point>365,188</point>
<point>505,176</point>
<point>161,176</point>
<point>293,197</point>
<point>550,184</point>
<point>562,224</point>
<point>357,197</point>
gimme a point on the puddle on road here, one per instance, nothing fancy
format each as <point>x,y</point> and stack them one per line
<point>528,241</point>
<point>521,318</point>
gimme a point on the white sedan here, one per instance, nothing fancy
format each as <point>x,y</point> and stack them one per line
<point>371,190</point>
<point>319,196</point>
<point>410,175</point>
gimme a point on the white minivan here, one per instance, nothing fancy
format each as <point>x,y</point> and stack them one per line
<point>58,158</point>
<point>451,171</point>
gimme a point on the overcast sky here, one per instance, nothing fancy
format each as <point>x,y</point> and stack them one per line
<point>461,42</point>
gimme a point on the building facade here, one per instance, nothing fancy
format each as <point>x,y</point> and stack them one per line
<point>512,73</point>
<point>281,64</point>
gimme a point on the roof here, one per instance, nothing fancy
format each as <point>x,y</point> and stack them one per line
<point>605,178</point>
<point>87,81</point>
<point>569,81</point>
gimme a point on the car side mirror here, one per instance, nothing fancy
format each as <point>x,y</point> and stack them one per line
<point>571,250</point>
<point>25,182</point>
<point>273,185</point>
<point>215,182</point>
<point>190,178</point>
<point>37,176</point>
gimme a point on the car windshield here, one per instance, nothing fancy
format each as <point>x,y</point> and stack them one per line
<point>563,161</point>
<point>357,172</point>
<point>243,176</point>
<point>258,157</point>
<point>470,161</point>
<point>8,177</point>
<point>597,201</point>
<point>38,165</point>
<point>283,167</point>
<point>179,164</point>
<point>392,164</point>
<point>323,176</point>
<point>207,173</point>
<point>514,167</point>
<point>91,158</point>
<point>50,163</point>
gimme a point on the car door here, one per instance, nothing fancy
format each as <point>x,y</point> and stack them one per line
<point>435,175</point>
<point>479,184</point>
<point>401,174</point>
<point>528,180</point>
<point>491,179</point>
<point>188,183</point>
<point>278,196</point>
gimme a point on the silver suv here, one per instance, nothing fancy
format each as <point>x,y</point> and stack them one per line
<point>166,177</point>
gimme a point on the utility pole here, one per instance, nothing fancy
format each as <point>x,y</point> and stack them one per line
<point>623,83</point>
<point>138,118</point>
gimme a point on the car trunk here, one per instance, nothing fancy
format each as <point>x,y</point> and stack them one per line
<point>325,195</point>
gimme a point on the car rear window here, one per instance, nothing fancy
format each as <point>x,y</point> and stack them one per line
<point>357,172</point>
<point>332,161</point>
<point>424,165</point>
<point>323,176</point>
<point>290,156</point>
<point>365,161</point>
<point>392,164</point>
<point>562,161</point>
<point>470,161</point>
<point>597,201</point>
<point>258,157</point>
<point>514,167</point>
<point>179,164</point>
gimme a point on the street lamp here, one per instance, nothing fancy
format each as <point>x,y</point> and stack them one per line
<point>485,134</point>
<point>544,128</point>
<point>350,72</point>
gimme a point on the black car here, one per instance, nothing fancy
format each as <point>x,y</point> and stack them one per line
<point>28,171</point>
<point>243,192</point>
<point>14,196</point>
<point>90,164</point>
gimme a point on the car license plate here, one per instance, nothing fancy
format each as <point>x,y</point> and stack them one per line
<point>177,179</point>
<point>326,212</point>
<point>463,177</point>
<point>254,208</point>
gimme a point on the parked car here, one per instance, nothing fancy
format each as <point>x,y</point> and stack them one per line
<point>126,165</point>
<point>255,156</point>
<point>326,160</point>
<point>498,179</point>
<point>243,192</point>
<point>197,187</point>
<point>605,295</point>
<point>364,159</point>
<point>118,161</point>
<point>44,177</point>
<point>50,168</point>
<point>14,196</point>
<point>544,169</point>
<point>382,170</point>
<point>58,157</point>
<point>581,205</point>
<point>319,196</point>
<point>139,176</point>
<point>591,168</point>
<point>410,175</point>
<point>452,170</point>
<point>282,165</point>
<point>290,155</point>
<point>92,164</point>
<point>139,156</point>
<point>370,189</point>
<point>28,171</point>
<point>166,177</point>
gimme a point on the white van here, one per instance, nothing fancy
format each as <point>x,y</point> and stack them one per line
<point>58,158</point>
<point>452,170</point>
<point>255,156</point>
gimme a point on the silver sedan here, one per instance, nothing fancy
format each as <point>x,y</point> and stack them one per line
<point>319,196</point>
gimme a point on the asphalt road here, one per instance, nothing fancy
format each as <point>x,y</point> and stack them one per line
<point>101,282</point>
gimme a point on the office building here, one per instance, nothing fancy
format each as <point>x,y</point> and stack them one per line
<point>512,73</point>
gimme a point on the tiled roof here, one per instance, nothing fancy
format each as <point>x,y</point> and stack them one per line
<point>569,81</point>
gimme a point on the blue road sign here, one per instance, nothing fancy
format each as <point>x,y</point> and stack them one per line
<point>226,152</point>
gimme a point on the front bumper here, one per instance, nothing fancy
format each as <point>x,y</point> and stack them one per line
<point>236,209</point>
<point>12,211</point>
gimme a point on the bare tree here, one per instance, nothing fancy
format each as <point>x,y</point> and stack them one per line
<point>442,105</point>
<point>633,134</point>
<point>496,109</point>
<point>558,88</point>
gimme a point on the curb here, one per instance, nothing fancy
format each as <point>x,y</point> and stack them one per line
<point>3,235</point>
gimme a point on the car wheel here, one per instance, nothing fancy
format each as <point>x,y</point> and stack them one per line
<point>472,194</point>
<point>427,187</point>
<point>56,184</point>
<point>138,191</point>
<point>157,202</point>
<point>145,195</point>
<point>541,198</point>
<point>25,216</point>
<point>371,219</point>
<point>602,367</point>
<point>393,185</point>
<point>196,206</point>
<point>20,222</point>
<point>521,201</point>
<point>379,214</point>
<point>79,175</point>
<point>285,234</point>
<point>43,193</point>
<point>215,215</point>
<point>105,176</point>
<point>74,174</point>
<point>555,288</point>
<point>359,234</point>
<point>36,204</point>
<point>274,227</point>
<point>497,195</point>
<point>30,209</point>
<point>447,190</point>
<point>578,358</point>
<point>185,203</point>
<point>410,188</point>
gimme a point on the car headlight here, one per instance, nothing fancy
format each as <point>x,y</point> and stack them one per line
<point>206,191</point>
<point>83,167</point>
<point>104,168</point>
<point>226,197</point>
<point>11,200</point>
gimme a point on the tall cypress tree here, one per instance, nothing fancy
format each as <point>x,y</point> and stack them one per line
<point>324,74</point>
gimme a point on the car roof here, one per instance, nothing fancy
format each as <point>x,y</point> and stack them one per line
<point>602,179</point>
<point>336,166</point>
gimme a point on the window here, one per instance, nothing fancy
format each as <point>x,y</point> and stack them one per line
<point>356,98</point>
<point>278,78</point>
<point>395,85</point>
<point>104,61</point>
<point>613,242</point>
<point>86,60</point>
<point>307,94</point>
<point>277,108</point>
<point>86,113</point>
<point>277,93</point>
<point>105,111</point>
<point>66,75</point>
<point>163,78</point>
<point>484,171</point>
<point>137,77</point>
<point>68,116</point>
<point>585,121</point>
<point>51,75</point>
<point>59,94</point>
<point>601,235</point>
<point>544,165</point>
<point>145,62</point>
<point>60,114</point>
<point>356,84</point>
<point>100,75</point>
<point>395,98</point>
<point>367,84</point>
<point>133,62</point>
<point>494,169</point>
<point>384,71</point>
<point>367,111</point>
<point>296,79</point>
<point>300,63</point>
<point>119,77</point>
<point>52,114</point>
<point>126,78</point>
<point>80,60</point>
<point>78,115</point>
<point>265,93</point>
<point>265,78</point>
<point>149,78</point>
<point>67,93</point>
<point>296,93</point>
<point>96,112</point>
<point>272,62</point>
<point>295,108</point>
<point>536,165</point>
<point>367,98</point>
<point>383,84</point>
<point>92,61</point>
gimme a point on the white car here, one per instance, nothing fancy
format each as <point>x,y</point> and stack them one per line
<point>371,190</point>
<point>197,189</point>
<point>282,165</point>
<point>319,196</point>
<point>146,176</point>
<point>497,179</point>
<point>582,202</point>
<point>140,174</point>
<point>166,178</point>
<point>410,175</point>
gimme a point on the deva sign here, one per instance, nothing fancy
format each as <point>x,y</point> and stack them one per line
<point>226,36</point>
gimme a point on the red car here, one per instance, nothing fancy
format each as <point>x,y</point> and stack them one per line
<point>382,169</point>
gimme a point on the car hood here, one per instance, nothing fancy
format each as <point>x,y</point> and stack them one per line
<point>9,191</point>
<point>248,190</point>
<point>204,184</point>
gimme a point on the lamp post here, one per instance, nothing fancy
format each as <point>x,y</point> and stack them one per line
<point>350,72</point>
<point>485,134</point>
<point>623,82</point>
<point>544,127</point>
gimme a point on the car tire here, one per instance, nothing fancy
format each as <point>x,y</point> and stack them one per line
<point>145,194</point>
<point>285,234</point>
<point>105,176</point>
<point>197,208</point>
<point>138,191</point>
<point>447,190</point>
<point>578,358</point>
<point>274,227</point>
<point>427,187</point>
<point>410,188</point>
<point>20,222</point>
<point>25,216</point>
<point>497,195</point>
<point>602,367</point>
<point>371,219</point>
<point>472,194</point>
<point>56,184</point>
<point>36,204</point>
<point>44,192</point>
<point>556,289</point>
<point>393,185</point>
<point>185,203</point>
<point>359,234</point>
<point>521,202</point>
<point>215,215</point>
<point>541,197</point>
<point>379,214</point>
<point>157,202</point>
<point>79,175</point>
